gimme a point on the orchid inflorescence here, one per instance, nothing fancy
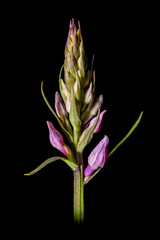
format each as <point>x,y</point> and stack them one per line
<point>77,111</point>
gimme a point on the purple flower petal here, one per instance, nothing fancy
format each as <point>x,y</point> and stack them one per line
<point>63,151</point>
<point>88,171</point>
<point>98,156</point>
<point>99,124</point>
<point>56,138</point>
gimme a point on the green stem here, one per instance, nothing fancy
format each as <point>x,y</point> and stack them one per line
<point>76,197</point>
<point>78,200</point>
<point>82,194</point>
<point>76,138</point>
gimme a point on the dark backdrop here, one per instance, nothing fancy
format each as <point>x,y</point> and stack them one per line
<point>115,197</point>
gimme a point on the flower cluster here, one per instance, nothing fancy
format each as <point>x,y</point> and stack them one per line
<point>76,105</point>
<point>78,112</point>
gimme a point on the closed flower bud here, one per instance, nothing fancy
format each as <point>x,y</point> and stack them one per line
<point>56,138</point>
<point>81,62</point>
<point>88,94</point>
<point>87,79</point>
<point>60,106</point>
<point>77,88</point>
<point>69,72</point>
<point>64,91</point>
<point>99,124</point>
<point>92,111</point>
<point>97,105</point>
<point>98,157</point>
<point>68,103</point>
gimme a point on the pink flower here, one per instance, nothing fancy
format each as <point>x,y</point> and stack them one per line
<point>99,124</point>
<point>56,138</point>
<point>98,157</point>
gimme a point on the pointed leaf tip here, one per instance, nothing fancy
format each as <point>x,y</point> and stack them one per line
<point>128,134</point>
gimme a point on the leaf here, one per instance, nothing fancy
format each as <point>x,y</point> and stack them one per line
<point>60,85</point>
<point>72,165</point>
<point>87,138</point>
<point>88,179</point>
<point>61,71</point>
<point>59,121</point>
<point>127,136</point>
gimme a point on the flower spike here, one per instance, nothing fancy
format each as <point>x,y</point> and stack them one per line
<point>78,112</point>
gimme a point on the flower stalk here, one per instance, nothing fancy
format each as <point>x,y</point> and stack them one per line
<point>78,112</point>
<point>78,195</point>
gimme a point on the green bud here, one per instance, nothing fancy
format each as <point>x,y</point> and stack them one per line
<point>81,61</point>
<point>64,90</point>
<point>69,73</point>
<point>88,95</point>
<point>77,88</point>
<point>97,105</point>
<point>74,115</point>
<point>87,79</point>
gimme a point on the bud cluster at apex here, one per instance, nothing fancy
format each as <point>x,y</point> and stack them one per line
<point>79,81</point>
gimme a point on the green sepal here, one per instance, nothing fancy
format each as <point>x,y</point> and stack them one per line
<point>87,138</point>
<point>72,165</point>
<point>74,115</point>
<point>59,121</point>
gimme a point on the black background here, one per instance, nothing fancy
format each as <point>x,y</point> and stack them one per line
<point>118,37</point>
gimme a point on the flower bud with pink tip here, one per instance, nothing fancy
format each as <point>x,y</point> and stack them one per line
<point>98,157</point>
<point>60,106</point>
